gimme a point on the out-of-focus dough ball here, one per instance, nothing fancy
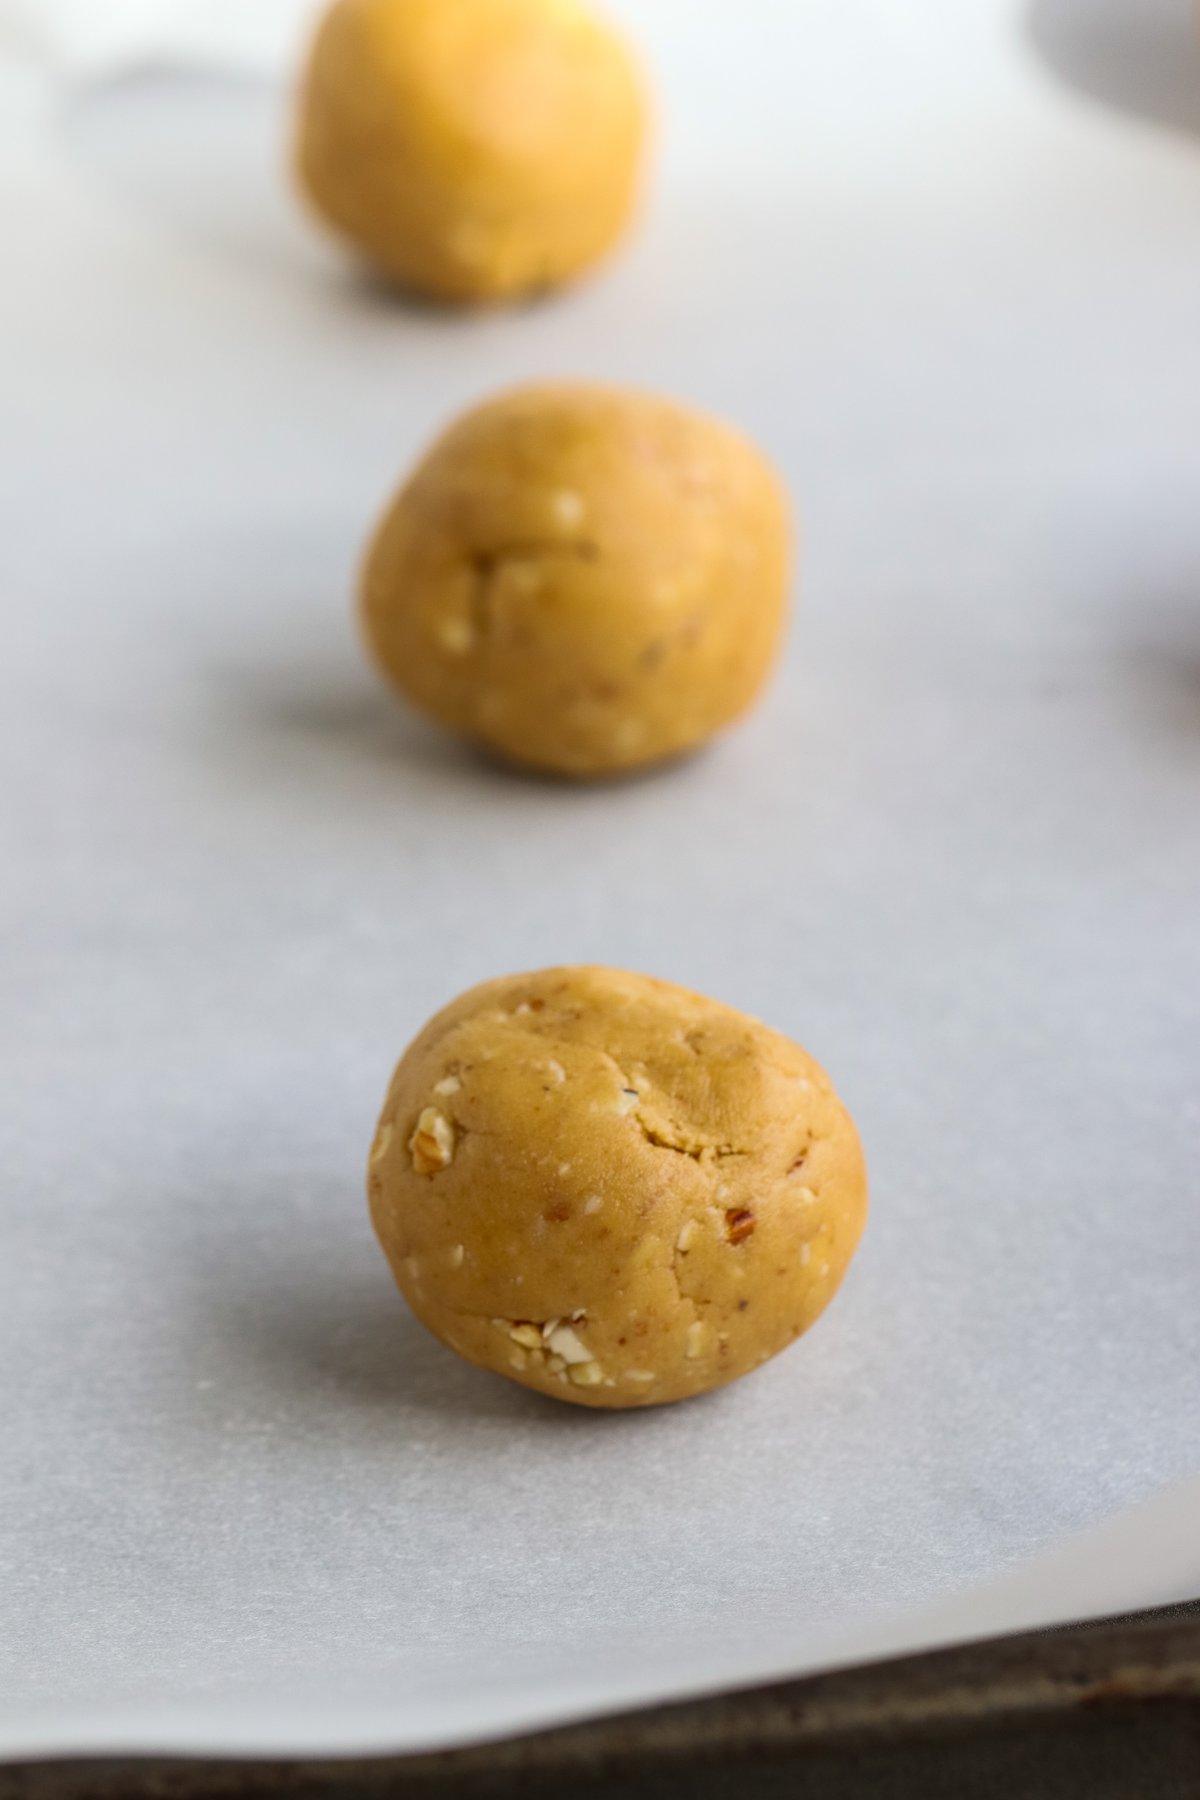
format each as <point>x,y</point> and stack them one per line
<point>473,149</point>
<point>583,578</point>
<point>611,1189</point>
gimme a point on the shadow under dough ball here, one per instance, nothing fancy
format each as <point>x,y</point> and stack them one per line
<point>613,1190</point>
<point>585,579</point>
<point>473,149</point>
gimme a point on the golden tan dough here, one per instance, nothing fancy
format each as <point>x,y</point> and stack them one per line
<point>472,149</point>
<point>583,578</point>
<point>613,1190</point>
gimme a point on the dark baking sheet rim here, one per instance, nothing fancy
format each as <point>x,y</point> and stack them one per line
<point>1067,1705</point>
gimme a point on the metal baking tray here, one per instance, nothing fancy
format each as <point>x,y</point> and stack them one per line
<point>1109,1711</point>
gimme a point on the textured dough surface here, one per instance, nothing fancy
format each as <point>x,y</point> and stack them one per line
<point>473,149</point>
<point>611,1189</point>
<point>583,578</point>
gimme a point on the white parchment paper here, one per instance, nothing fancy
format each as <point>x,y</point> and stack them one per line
<point>944,263</point>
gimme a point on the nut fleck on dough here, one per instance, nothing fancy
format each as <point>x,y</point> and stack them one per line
<point>432,1142</point>
<point>473,150</point>
<point>660,1291</point>
<point>661,542</point>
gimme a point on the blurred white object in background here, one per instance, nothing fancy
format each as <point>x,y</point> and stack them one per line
<point>89,39</point>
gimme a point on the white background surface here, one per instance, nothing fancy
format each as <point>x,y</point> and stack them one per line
<point>243,1499</point>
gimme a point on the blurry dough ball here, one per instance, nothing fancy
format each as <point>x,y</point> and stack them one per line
<point>612,1190</point>
<point>584,579</point>
<point>473,149</point>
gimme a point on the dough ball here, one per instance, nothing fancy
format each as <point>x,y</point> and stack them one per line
<point>611,1189</point>
<point>583,578</point>
<point>473,149</point>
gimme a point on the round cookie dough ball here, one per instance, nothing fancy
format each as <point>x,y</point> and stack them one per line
<point>613,1190</point>
<point>582,578</point>
<point>473,149</point>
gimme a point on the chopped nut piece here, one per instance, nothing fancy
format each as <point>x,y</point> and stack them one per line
<point>639,1375</point>
<point>449,1084</point>
<point>588,1374</point>
<point>568,507</point>
<point>556,1070</point>
<point>550,1327</point>
<point>627,1100</point>
<point>412,1268</point>
<point>740,1225</point>
<point>529,1335</point>
<point>593,1203</point>
<point>456,1256</point>
<point>556,1364</point>
<point>805,1254</point>
<point>432,1143</point>
<point>566,1344</point>
<point>695,1340</point>
<point>688,1233</point>
<point>383,1142</point>
<point>517,1359</point>
<point>806,1194</point>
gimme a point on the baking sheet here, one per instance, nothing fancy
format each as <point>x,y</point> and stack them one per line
<point>244,1502</point>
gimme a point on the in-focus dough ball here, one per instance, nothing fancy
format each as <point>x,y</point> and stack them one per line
<point>611,1189</point>
<point>583,578</point>
<point>473,149</point>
